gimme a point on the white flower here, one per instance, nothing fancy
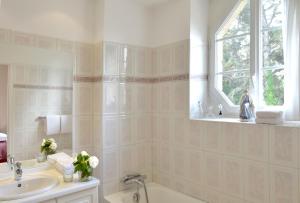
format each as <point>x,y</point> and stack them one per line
<point>84,153</point>
<point>75,159</point>
<point>43,143</point>
<point>53,146</point>
<point>52,140</point>
<point>94,161</point>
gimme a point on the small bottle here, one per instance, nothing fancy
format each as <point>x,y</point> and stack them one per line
<point>220,110</point>
<point>68,175</point>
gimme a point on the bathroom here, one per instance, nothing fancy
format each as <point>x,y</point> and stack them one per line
<point>142,85</point>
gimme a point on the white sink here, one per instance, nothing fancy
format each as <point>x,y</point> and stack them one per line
<point>29,186</point>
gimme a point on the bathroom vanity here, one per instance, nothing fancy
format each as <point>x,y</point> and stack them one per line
<point>43,183</point>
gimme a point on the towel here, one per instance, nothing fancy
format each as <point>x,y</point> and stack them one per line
<point>66,124</point>
<point>61,161</point>
<point>53,158</point>
<point>269,114</point>
<point>3,137</point>
<point>272,121</point>
<point>52,125</point>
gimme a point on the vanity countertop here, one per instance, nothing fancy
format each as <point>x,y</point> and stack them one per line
<point>61,189</point>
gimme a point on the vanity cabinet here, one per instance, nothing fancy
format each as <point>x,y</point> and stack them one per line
<point>86,196</point>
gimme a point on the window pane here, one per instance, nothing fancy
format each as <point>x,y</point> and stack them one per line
<point>273,82</point>
<point>239,23</point>
<point>272,11</point>
<point>273,48</point>
<point>235,84</point>
<point>234,54</point>
<point>272,52</point>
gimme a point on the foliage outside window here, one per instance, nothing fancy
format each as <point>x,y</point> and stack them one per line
<point>233,53</point>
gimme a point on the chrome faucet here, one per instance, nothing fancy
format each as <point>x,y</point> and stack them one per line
<point>140,181</point>
<point>133,178</point>
<point>15,166</point>
<point>18,171</point>
<point>10,161</point>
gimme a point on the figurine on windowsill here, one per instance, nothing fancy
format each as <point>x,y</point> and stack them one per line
<point>246,108</point>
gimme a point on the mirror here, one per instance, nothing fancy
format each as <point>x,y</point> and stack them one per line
<point>36,90</point>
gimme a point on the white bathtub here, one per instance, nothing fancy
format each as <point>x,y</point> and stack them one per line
<point>157,194</point>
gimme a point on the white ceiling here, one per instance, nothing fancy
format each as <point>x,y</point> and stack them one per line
<point>152,2</point>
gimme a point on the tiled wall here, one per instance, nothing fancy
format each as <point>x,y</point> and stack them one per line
<point>139,105</point>
<point>214,161</point>
<point>127,111</point>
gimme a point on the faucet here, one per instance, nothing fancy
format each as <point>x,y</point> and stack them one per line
<point>18,171</point>
<point>15,166</point>
<point>140,181</point>
<point>10,161</point>
<point>133,178</point>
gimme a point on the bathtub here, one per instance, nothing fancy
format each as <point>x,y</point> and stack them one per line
<point>157,194</point>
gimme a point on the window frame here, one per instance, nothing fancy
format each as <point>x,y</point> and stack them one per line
<point>256,61</point>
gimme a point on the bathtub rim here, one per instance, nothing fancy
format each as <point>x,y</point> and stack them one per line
<point>118,196</point>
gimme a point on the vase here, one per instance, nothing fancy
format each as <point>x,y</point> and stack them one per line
<point>41,157</point>
<point>86,177</point>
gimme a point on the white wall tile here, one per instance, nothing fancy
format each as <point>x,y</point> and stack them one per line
<point>164,129</point>
<point>179,159</point>
<point>284,186</point>
<point>196,134</point>
<point>284,146</point>
<point>165,60</point>
<point>165,97</point>
<point>126,98</point>
<point>181,57</point>
<point>111,59</point>
<point>256,182</point>
<point>83,99</point>
<point>110,98</point>
<point>179,96</point>
<point>232,139</point>
<point>165,159</point>
<point>213,171</point>
<point>233,181</point>
<point>110,165</point>
<point>178,131</point>
<point>212,140</point>
<point>195,167</point>
<point>127,160</point>
<point>256,141</point>
<point>110,132</point>
<point>84,59</point>
<point>127,132</point>
<point>83,132</point>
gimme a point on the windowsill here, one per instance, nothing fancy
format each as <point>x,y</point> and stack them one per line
<point>237,120</point>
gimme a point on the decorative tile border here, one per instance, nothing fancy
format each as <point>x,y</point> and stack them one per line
<point>131,79</point>
<point>85,79</point>
<point>42,87</point>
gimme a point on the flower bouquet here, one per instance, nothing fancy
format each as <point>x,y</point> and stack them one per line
<point>48,147</point>
<point>84,165</point>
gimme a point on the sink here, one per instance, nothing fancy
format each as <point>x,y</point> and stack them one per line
<point>29,186</point>
<point>29,164</point>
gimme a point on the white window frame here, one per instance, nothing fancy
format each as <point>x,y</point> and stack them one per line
<point>255,62</point>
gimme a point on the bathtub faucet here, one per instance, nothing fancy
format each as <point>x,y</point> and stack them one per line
<point>134,178</point>
<point>140,181</point>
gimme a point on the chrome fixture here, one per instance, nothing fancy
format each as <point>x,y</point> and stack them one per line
<point>139,180</point>
<point>15,166</point>
<point>10,161</point>
<point>18,171</point>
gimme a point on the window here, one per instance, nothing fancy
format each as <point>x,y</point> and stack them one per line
<point>238,66</point>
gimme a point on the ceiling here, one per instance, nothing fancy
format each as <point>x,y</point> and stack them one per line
<point>152,2</point>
